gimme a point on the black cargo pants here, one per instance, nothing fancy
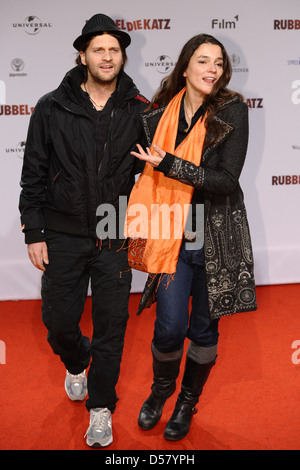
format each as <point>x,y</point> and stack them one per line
<point>73,263</point>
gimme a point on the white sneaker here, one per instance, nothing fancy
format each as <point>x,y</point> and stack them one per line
<point>76,386</point>
<point>99,433</point>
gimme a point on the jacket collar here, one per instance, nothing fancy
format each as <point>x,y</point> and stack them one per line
<point>226,131</point>
<point>69,96</point>
<point>226,127</point>
<point>151,118</point>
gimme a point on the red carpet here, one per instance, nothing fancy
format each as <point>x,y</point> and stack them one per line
<point>251,400</point>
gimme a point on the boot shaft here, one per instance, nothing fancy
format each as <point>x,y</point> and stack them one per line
<point>165,374</point>
<point>194,378</point>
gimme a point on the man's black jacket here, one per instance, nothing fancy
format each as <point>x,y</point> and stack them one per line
<point>63,181</point>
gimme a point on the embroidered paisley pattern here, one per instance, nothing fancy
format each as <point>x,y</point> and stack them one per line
<point>186,172</point>
<point>229,263</point>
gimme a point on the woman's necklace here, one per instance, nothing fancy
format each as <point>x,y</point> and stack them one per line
<point>189,119</point>
<point>91,99</point>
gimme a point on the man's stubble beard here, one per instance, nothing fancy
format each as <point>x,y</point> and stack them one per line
<point>102,81</point>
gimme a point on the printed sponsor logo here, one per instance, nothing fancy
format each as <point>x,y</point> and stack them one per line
<point>17,151</point>
<point>286,24</point>
<point>32,25</point>
<point>143,24</point>
<point>17,66</point>
<point>236,64</point>
<point>285,180</point>
<point>294,62</point>
<point>162,64</point>
<point>254,103</point>
<point>15,109</point>
<point>217,23</point>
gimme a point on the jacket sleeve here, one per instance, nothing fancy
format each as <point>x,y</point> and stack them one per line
<point>139,164</point>
<point>232,154</point>
<point>34,176</point>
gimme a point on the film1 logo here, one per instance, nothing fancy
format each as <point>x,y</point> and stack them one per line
<point>32,25</point>
<point>224,23</point>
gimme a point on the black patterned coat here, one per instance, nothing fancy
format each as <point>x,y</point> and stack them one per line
<point>227,244</point>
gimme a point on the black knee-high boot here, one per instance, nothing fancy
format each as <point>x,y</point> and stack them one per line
<point>165,374</point>
<point>194,379</point>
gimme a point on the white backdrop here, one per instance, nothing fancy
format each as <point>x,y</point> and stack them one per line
<point>262,37</point>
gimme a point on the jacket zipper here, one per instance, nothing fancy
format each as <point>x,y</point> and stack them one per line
<point>99,171</point>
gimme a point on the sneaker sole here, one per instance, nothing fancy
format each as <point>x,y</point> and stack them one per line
<point>96,444</point>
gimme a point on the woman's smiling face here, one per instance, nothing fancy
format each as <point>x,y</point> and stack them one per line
<point>204,69</point>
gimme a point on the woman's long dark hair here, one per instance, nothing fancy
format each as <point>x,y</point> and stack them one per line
<point>220,94</point>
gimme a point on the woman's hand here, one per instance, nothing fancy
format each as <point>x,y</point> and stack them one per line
<point>153,160</point>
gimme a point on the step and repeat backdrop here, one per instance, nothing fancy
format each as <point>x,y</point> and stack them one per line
<point>263,40</point>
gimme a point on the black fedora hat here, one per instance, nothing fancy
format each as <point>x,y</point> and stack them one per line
<point>99,24</point>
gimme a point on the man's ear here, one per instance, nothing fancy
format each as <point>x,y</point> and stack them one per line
<point>82,57</point>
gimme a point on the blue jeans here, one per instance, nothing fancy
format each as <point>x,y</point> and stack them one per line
<point>173,322</point>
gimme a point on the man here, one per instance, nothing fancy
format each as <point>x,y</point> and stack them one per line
<point>77,157</point>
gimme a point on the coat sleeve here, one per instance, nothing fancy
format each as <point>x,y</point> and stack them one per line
<point>224,178</point>
<point>34,176</point>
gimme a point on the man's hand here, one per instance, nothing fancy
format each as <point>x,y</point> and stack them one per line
<point>38,254</point>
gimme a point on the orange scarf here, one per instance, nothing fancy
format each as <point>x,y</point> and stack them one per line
<point>158,206</point>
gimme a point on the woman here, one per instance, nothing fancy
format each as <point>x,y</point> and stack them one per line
<point>197,155</point>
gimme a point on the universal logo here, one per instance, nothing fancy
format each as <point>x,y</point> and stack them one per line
<point>17,151</point>
<point>144,24</point>
<point>32,25</point>
<point>17,66</point>
<point>163,64</point>
<point>235,62</point>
